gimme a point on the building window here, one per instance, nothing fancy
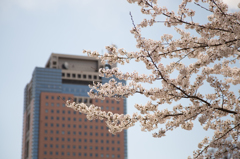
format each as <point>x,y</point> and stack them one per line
<point>101,134</point>
<point>58,111</point>
<point>45,152</point>
<point>118,142</point>
<point>107,155</point>
<point>107,141</point>
<point>80,126</point>
<point>46,104</point>
<point>51,131</point>
<point>79,147</point>
<point>85,140</point>
<point>96,134</point>
<point>96,141</point>
<point>69,125</point>
<point>96,155</point>
<point>46,117</point>
<point>51,145</point>
<point>46,110</point>
<point>112,141</point>
<point>80,133</point>
<point>57,146</point>
<point>85,133</point>
<point>69,112</point>
<point>56,153</point>
<point>52,111</point>
<point>85,147</point>
<point>57,118</point>
<point>85,126</point>
<point>63,132</point>
<point>62,146</point>
<point>96,100</point>
<point>118,135</point>
<point>63,105</point>
<point>58,97</point>
<point>80,119</point>
<point>51,138</point>
<point>69,132</point>
<point>74,140</point>
<point>51,117</point>
<point>57,132</point>
<point>113,156</point>
<point>101,155</point>
<point>45,138</point>
<point>46,97</point>
<point>63,125</point>
<point>107,108</point>
<point>118,149</point>
<point>69,118</point>
<point>85,120</point>
<point>90,133</point>
<point>118,108</point>
<point>90,147</point>
<point>74,119</point>
<point>101,101</point>
<point>45,131</point>
<point>118,156</point>
<point>112,101</point>
<point>102,148</point>
<point>74,146</point>
<point>79,154</point>
<point>68,154</point>
<point>90,140</point>
<point>74,154</point>
<point>63,111</point>
<point>101,141</point>
<point>68,139</point>
<point>102,127</point>
<point>46,124</point>
<point>107,148</point>
<point>112,108</point>
<point>79,76</point>
<point>113,149</point>
<point>68,146</point>
<point>107,134</point>
<point>74,133</point>
<point>62,153</point>
<point>63,118</point>
<point>90,154</point>
<point>52,97</point>
<point>118,102</point>
<point>58,104</point>
<point>52,104</point>
<point>63,139</point>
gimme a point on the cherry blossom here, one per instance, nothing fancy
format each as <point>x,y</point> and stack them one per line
<point>214,50</point>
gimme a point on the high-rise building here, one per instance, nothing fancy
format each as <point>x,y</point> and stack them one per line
<point>53,131</point>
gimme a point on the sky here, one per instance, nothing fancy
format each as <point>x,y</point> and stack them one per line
<point>30,30</point>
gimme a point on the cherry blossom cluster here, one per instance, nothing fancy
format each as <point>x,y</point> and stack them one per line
<point>214,52</point>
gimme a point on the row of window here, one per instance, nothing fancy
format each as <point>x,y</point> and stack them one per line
<point>84,76</point>
<point>80,154</point>
<point>74,119</point>
<point>79,140</point>
<point>58,98</point>
<point>107,101</point>
<point>107,107</point>
<point>79,133</point>
<point>82,147</point>
<point>74,126</point>
<point>69,98</point>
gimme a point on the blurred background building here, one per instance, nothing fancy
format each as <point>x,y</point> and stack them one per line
<point>53,131</point>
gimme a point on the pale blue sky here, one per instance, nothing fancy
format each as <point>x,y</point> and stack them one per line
<point>30,30</point>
